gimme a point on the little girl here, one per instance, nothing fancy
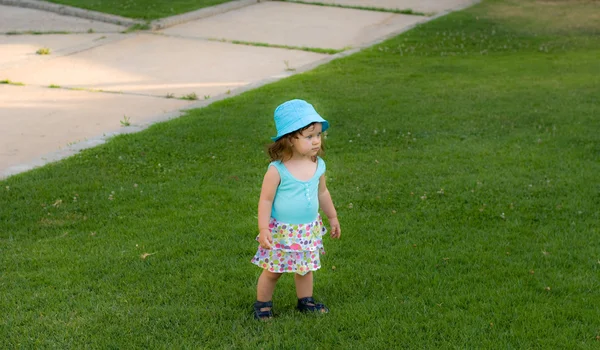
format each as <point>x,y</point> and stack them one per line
<point>293,189</point>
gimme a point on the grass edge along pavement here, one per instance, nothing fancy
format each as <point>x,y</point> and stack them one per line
<point>142,9</point>
<point>463,162</point>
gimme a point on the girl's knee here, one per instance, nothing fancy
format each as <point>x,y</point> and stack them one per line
<point>306,275</point>
<point>271,275</point>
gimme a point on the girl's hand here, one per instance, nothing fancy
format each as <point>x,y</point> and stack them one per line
<point>265,238</point>
<point>336,231</point>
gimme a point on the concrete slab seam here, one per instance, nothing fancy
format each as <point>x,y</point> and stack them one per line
<point>96,43</point>
<point>71,11</point>
<point>319,50</point>
<point>356,7</point>
<point>102,91</point>
<point>51,32</point>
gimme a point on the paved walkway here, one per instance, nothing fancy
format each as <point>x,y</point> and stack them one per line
<point>96,76</point>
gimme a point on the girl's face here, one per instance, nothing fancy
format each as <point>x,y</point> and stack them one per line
<point>308,142</point>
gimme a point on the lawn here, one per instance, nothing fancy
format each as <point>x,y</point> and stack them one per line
<point>141,9</point>
<point>463,158</point>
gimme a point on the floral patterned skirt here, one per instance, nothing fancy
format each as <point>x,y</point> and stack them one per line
<point>296,248</point>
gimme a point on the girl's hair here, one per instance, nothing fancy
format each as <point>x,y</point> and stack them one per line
<point>282,150</point>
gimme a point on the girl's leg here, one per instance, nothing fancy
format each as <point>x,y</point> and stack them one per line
<point>266,285</point>
<point>304,291</point>
<point>304,285</point>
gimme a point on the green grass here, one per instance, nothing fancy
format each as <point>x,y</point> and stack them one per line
<point>10,82</point>
<point>190,97</point>
<point>142,9</point>
<point>43,51</point>
<point>137,27</point>
<point>502,117</point>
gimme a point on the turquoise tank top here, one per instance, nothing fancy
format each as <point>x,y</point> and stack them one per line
<point>296,202</point>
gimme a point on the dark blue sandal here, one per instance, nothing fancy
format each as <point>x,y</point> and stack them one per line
<point>261,314</point>
<point>308,304</point>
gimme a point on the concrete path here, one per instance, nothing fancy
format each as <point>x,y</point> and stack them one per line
<point>424,6</point>
<point>97,78</point>
<point>284,23</point>
<point>18,19</point>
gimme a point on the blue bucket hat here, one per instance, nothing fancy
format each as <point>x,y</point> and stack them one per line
<point>294,115</point>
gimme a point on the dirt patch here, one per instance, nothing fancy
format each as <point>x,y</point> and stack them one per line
<point>547,16</point>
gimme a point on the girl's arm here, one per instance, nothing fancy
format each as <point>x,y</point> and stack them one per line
<point>265,204</point>
<point>326,204</point>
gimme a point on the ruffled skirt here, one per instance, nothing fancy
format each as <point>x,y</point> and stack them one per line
<point>296,248</point>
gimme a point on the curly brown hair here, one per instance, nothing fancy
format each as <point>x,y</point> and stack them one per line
<point>282,150</point>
